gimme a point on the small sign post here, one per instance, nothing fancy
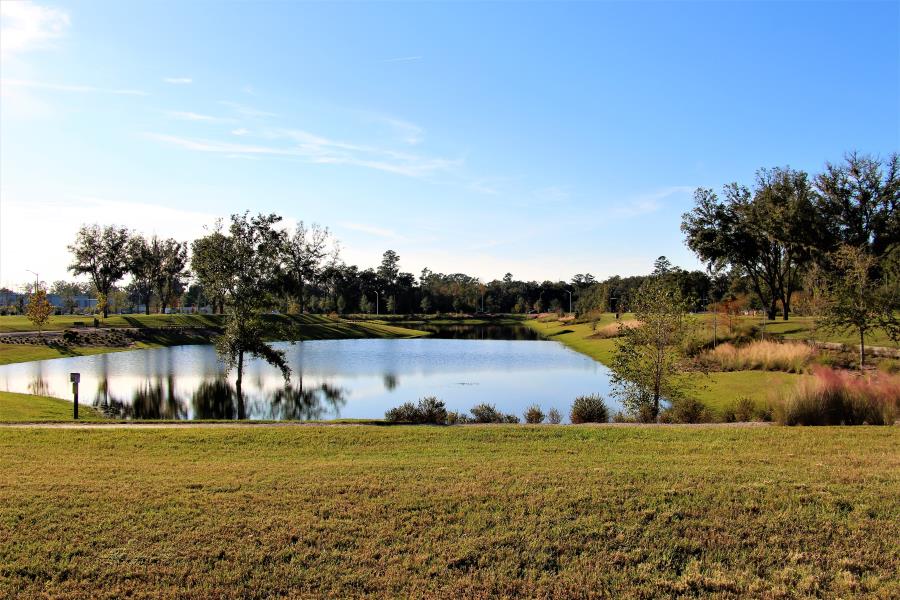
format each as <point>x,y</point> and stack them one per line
<point>75,378</point>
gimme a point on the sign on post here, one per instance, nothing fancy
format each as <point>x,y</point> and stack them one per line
<point>75,378</point>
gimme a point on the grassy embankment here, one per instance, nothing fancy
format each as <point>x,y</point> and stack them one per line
<point>28,408</point>
<point>170,330</point>
<point>717,390</point>
<point>337,511</point>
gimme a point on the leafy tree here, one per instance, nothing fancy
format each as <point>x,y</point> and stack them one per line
<point>144,258</point>
<point>856,300</point>
<point>426,305</point>
<point>389,268</point>
<point>39,308</point>
<point>101,253</point>
<point>649,357</point>
<point>766,233</point>
<point>859,201</point>
<point>341,305</point>
<point>208,261</point>
<point>68,292</point>
<point>391,305</point>
<point>304,254</point>
<point>253,263</point>
<point>169,281</point>
<point>365,306</point>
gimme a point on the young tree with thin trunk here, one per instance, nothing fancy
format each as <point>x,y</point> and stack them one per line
<point>859,300</point>
<point>101,253</point>
<point>39,308</point>
<point>650,357</point>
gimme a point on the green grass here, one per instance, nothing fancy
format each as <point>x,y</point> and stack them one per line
<point>491,511</point>
<point>716,390</point>
<point>16,353</point>
<point>25,407</point>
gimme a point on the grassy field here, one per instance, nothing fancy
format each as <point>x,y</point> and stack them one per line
<point>472,511</point>
<point>25,407</point>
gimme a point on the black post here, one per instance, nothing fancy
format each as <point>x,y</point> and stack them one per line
<point>75,378</point>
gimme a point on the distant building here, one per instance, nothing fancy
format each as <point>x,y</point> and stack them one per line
<point>81,302</point>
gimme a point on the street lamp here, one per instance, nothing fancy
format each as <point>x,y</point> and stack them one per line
<point>376,304</point>
<point>37,278</point>
<point>570,301</point>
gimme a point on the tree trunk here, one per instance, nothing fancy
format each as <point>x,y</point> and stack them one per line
<point>237,386</point>
<point>862,349</point>
<point>786,309</point>
<point>147,304</point>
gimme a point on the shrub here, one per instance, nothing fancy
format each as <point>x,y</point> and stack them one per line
<point>744,409</point>
<point>686,410</point>
<point>553,417</point>
<point>429,410</point>
<point>621,417</point>
<point>589,409</point>
<point>841,398</point>
<point>889,366</point>
<point>488,413</point>
<point>534,414</point>
<point>760,355</point>
<point>457,418</point>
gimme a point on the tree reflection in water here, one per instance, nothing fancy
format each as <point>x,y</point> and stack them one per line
<point>391,381</point>
<point>215,399</point>
<point>153,400</point>
<point>300,404</point>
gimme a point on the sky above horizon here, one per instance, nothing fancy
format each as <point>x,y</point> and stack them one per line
<point>539,139</point>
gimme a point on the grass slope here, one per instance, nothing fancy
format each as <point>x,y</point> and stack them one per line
<point>491,511</point>
<point>716,390</point>
<point>25,407</point>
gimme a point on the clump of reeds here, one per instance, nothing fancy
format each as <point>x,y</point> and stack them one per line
<point>612,330</point>
<point>832,397</point>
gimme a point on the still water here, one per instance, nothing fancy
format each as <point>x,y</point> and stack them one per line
<point>331,378</point>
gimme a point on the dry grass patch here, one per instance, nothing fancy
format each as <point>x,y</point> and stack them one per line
<point>613,330</point>
<point>760,356</point>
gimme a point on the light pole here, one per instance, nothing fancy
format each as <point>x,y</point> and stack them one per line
<point>37,279</point>
<point>376,304</point>
<point>570,301</point>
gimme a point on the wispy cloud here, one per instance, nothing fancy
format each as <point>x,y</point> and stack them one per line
<point>240,131</point>
<point>61,87</point>
<point>370,229</point>
<point>26,26</point>
<point>410,133</point>
<point>192,116</point>
<point>317,149</point>
<point>402,59</point>
<point>246,111</point>
<point>650,202</point>
<point>178,80</point>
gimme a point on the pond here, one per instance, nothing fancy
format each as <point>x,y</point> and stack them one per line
<point>331,379</point>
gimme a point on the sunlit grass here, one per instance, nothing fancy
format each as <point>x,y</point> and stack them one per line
<point>497,510</point>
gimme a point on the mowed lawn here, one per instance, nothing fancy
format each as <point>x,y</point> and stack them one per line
<point>466,511</point>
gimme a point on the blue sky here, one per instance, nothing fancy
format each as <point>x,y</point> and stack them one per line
<point>541,139</point>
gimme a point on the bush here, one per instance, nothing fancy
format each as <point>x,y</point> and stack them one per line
<point>841,398</point>
<point>553,417</point>
<point>534,415</point>
<point>760,355</point>
<point>686,410</point>
<point>744,409</point>
<point>488,413</point>
<point>457,418</point>
<point>429,410</point>
<point>589,409</point>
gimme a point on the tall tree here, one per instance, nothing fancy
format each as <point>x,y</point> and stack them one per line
<point>253,263</point>
<point>144,265</point>
<point>305,253</point>
<point>649,357</point>
<point>101,253</point>
<point>860,202</point>
<point>169,281</point>
<point>209,256</point>
<point>767,233</point>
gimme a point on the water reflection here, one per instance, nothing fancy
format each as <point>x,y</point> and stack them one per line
<point>331,378</point>
<point>479,332</point>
